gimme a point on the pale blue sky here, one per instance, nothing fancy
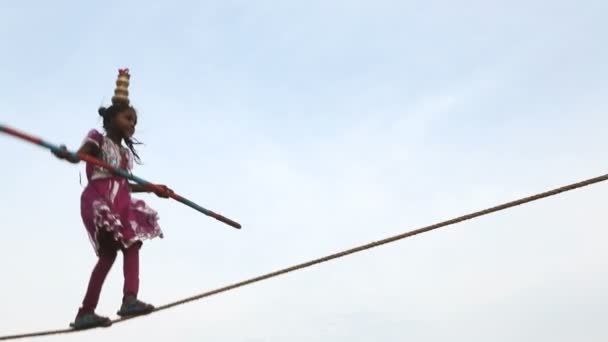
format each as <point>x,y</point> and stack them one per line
<point>319,125</point>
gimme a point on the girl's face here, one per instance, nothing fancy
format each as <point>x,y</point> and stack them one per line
<point>125,123</point>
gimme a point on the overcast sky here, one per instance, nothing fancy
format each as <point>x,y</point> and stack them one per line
<point>319,126</point>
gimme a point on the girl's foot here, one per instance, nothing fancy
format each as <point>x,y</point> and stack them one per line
<point>90,320</point>
<point>134,307</point>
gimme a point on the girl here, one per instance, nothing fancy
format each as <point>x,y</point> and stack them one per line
<point>113,220</point>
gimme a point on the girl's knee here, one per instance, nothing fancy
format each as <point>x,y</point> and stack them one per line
<point>136,246</point>
<point>107,253</point>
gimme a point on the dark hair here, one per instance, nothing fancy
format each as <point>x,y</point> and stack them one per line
<point>108,114</point>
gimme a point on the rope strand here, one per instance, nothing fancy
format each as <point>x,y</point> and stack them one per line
<point>343,253</point>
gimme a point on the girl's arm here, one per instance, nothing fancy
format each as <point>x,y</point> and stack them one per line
<point>163,192</point>
<point>88,148</point>
<point>138,188</point>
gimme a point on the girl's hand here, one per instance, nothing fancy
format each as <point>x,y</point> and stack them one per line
<point>62,154</point>
<point>163,191</point>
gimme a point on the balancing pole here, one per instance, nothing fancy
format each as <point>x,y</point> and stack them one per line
<point>117,171</point>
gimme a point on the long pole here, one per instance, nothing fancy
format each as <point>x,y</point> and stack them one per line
<point>117,171</point>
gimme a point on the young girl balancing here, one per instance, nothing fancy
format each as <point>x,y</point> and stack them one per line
<point>113,220</point>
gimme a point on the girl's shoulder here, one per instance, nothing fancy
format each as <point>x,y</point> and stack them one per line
<point>94,136</point>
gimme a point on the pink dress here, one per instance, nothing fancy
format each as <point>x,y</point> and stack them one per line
<point>106,203</point>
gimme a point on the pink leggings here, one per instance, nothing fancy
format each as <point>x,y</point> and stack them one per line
<point>107,254</point>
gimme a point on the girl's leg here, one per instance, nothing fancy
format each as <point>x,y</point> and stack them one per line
<point>131,306</point>
<point>131,270</point>
<point>107,255</point>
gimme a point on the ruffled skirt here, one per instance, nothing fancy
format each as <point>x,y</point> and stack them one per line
<point>107,205</point>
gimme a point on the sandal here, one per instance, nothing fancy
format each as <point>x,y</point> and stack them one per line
<point>134,307</point>
<point>90,320</point>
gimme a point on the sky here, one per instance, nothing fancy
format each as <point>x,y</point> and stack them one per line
<point>319,126</point>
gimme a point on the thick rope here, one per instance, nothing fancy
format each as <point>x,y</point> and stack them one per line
<point>340,254</point>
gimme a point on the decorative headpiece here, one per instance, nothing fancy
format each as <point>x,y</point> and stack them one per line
<point>121,92</point>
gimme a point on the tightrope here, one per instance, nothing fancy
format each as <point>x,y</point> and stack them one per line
<point>343,253</point>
